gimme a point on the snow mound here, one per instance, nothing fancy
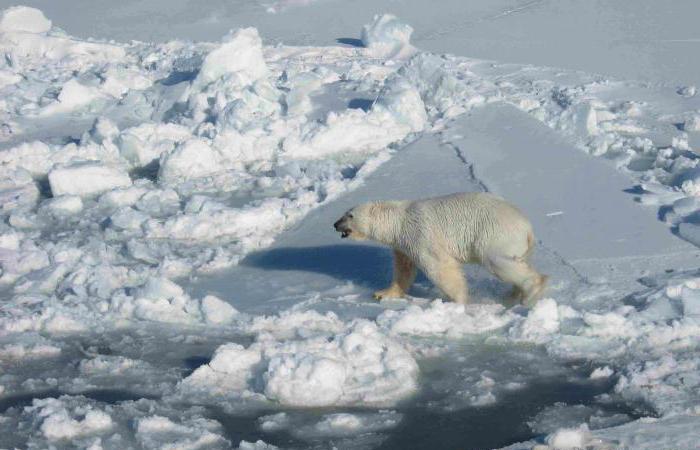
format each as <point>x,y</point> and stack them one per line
<point>61,422</point>
<point>162,300</point>
<point>357,367</point>
<point>541,323</point>
<point>239,56</point>
<point>65,205</point>
<point>444,319</point>
<point>335,425</point>
<point>345,424</point>
<point>27,38</point>
<point>403,101</point>
<point>145,143</point>
<point>87,179</point>
<point>191,159</point>
<point>386,36</point>
<point>569,438</point>
<point>23,351</point>
<point>257,445</point>
<point>157,432</point>
<point>444,93</point>
<point>23,19</point>
<point>34,157</point>
<point>80,422</point>
<point>73,95</point>
<point>296,324</point>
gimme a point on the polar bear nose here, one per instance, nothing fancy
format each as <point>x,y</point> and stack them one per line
<point>342,227</point>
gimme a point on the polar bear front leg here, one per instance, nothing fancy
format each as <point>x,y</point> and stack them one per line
<point>404,274</point>
<point>446,273</point>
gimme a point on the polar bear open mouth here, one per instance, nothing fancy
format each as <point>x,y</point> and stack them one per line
<point>341,227</point>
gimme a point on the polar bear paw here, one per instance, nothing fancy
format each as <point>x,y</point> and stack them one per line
<point>390,292</point>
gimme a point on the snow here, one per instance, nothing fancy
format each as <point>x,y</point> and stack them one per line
<point>217,311</point>
<point>24,19</point>
<point>59,422</point>
<point>568,438</point>
<point>170,278</point>
<point>358,366</point>
<point>83,423</point>
<point>239,56</point>
<point>66,204</point>
<point>86,179</point>
<point>161,432</point>
<point>671,432</point>
<point>191,159</point>
<point>387,36</point>
<point>444,319</point>
<point>257,445</point>
<point>541,323</point>
<point>602,372</point>
<point>73,95</point>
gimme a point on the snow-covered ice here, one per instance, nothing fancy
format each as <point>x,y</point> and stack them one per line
<point>387,36</point>
<point>169,277</point>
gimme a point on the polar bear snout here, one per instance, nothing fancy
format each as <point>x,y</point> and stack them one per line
<point>342,226</point>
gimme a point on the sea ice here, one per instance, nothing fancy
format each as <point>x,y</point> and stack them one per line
<point>387,36</point>
<point>87,179</point>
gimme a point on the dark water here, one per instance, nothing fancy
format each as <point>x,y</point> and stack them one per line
<point>109,396</point>
<point>496,425</point>
<point>423,427</point>
<point>437,418</point>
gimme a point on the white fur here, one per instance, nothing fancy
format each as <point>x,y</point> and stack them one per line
<point>439,234</point>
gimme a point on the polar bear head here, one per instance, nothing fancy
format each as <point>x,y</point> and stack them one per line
<point>376,220</point>
<point>355,223</point>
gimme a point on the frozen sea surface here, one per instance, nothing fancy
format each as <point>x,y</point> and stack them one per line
<point>643,40</point>
<point>170,277</point>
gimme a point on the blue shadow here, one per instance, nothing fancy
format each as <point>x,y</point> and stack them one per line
<point>362,264</point>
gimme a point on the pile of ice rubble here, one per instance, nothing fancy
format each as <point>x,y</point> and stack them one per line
<point>172,177</point>
<point>181,158</point>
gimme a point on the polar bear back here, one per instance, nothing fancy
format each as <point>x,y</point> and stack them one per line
<point>468,226</point>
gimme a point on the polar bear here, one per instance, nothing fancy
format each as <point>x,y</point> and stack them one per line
<point>439,234</point>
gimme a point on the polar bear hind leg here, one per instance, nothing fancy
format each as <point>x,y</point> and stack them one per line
<point>527,283</point>
<point>404,274</point>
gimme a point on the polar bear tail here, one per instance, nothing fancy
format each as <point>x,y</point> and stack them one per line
<point>530,246</point>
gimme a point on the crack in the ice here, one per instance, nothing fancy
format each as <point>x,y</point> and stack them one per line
<point>472,174</point>
<point>469,166</point>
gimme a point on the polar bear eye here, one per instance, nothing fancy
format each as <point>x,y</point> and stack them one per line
<point>350,216</point>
